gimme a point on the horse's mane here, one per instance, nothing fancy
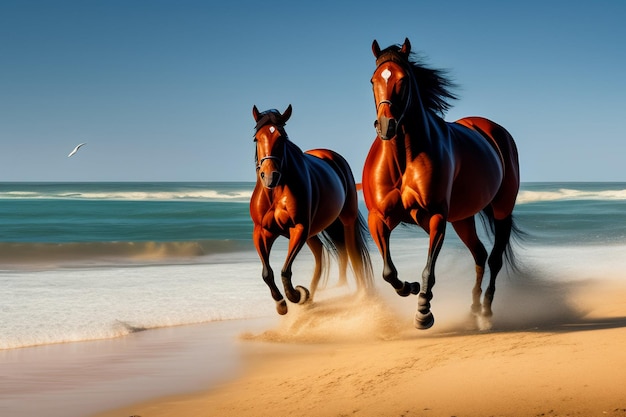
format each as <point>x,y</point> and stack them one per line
<point>434,85</point>
<point>272,116</point>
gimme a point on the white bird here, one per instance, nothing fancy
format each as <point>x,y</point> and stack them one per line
<point>76,149</point>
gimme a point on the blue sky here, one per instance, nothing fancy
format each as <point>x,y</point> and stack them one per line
<point>163,90</point>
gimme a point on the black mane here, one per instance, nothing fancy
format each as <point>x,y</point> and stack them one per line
<point>434,85</point>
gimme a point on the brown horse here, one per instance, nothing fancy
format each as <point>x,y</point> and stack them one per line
<point>426,171</point>
<point>309,197</point>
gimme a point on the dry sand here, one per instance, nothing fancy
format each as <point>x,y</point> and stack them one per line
<point>556,349</point>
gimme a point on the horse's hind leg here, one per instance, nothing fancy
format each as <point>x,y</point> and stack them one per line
<point>502,235</point>
<point>466,230</point>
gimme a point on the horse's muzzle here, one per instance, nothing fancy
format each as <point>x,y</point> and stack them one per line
<point>271,179</point>
<point>385,127</point>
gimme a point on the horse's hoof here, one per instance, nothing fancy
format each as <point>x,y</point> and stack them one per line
<point>304,294</point>
<point>281,307</point>
<point>409,288</point>
<point>424,321</point>
<point>476,309</point>
<point>484,323</point>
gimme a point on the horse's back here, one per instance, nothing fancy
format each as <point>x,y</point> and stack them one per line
<point>333,183</point>
<point>335,160</point>
<point>503,142</point>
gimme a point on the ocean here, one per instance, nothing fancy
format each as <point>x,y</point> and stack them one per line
<point>88,261</point>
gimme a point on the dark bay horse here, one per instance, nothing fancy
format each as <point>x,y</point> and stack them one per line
<point>309,197</point>
<point>426,171</point>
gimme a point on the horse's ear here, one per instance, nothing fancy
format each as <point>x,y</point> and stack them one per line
<point>287,114</point>
<point>255,113</point>
<point>375,48</point>
<point>406,47</point>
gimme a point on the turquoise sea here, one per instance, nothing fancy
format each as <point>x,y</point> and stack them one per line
<point>84,261</point>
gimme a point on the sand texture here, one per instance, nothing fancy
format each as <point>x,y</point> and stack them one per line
<point>555,349</point>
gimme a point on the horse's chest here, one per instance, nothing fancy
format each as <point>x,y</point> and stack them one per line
<point>282,218</point>
<point>419,189</point>
<point>279,216</point>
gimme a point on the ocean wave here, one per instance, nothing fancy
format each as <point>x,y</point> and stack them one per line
<point>200,195</point>
<point>42,306</point>
<point>564,194</point>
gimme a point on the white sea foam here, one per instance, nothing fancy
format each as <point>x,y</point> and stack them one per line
<point>208,195</point>
<point>67,305</point>
<point>562,194</point>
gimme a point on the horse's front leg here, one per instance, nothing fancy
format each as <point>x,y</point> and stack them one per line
<point>380,233</point>
<point>424,318</point>
<point>263,241</point>
<point>297,238</point>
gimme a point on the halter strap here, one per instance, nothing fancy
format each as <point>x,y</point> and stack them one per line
<point>393,56</point>
<point>281,161</point>
<point>396,58</point>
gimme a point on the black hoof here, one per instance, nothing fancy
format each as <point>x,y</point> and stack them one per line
<point>424,321</point>
<point>409,288</point>
<point>281,307</point>
<point>304,294</point>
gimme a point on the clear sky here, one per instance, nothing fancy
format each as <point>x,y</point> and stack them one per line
<point>163,90</point>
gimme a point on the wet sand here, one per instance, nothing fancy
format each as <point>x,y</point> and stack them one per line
<point>556,349</point>
<point>80,379</point>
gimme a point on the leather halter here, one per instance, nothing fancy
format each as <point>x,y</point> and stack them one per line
<point>271,117</point>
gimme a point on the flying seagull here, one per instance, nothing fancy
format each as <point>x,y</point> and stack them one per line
<point>75,149</point>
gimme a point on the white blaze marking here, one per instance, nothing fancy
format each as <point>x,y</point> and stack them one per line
<point>272,129</point>
<point>386,74</point>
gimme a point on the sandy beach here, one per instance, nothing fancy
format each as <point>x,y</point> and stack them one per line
<point>556,349</point>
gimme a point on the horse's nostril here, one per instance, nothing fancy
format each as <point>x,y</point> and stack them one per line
<point>262,175</point>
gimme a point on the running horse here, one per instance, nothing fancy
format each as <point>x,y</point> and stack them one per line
<point>308,197</point>
<point>426,171</point>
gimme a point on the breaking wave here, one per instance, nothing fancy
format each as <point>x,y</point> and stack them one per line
<point>564,194</point>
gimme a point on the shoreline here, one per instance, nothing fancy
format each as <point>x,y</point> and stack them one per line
<point>77,379</point>
<point>557,363</point>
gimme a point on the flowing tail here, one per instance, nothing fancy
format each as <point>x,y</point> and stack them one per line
<point>352,247</point>
<point>515,234</point>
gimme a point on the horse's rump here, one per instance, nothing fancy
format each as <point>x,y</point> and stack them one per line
<point>503,142</point>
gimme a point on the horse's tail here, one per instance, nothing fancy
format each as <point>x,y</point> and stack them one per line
<point>353,248</point>
<point>361,262</point>
<point>509,228</point>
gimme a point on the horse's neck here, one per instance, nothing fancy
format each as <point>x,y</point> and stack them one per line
<point>417,134</point>
<point>293,169</point>
<point>293,158</point>
<point>423,130</point>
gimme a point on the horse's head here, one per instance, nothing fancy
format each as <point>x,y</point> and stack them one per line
<point>401,84</point>
<point>270,138</point>
<point>391,83</point>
